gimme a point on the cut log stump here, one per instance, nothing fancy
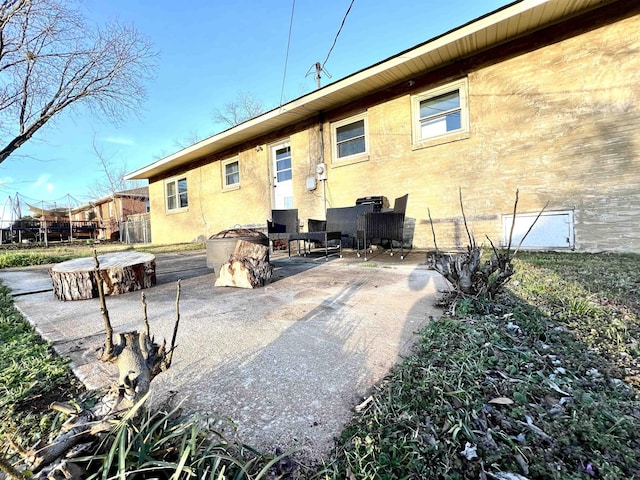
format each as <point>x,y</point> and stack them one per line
<point>120,272</point>
<point>247,267</point>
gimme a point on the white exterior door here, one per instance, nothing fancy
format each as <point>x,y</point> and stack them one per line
<point>282,176</point>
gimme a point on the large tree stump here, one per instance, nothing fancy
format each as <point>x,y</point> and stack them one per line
<point>120,272</point>
<point>247,267</point>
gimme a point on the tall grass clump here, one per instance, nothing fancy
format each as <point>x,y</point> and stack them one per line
<point>160,442</point>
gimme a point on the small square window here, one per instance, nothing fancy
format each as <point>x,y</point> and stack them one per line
<point>350,138</point>
<point>440,112</point>
<point>176,193</point>
<point>231,173</point>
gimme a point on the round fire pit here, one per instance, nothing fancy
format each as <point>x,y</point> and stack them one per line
<point>221,245</point>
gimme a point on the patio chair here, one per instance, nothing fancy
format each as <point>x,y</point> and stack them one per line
<point>283,223</point>
<point>383,226</point>
<point>321,231</point>
<point>345,219</point>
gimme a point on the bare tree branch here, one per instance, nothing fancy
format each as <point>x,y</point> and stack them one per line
<point>113,180</point>
<point>513,220</point>
<point>530,227</point>
<point>107,354</point>
<point>51,61</point>
<point>472,242</point>
<point>244,107</point>
<point>175,329</point>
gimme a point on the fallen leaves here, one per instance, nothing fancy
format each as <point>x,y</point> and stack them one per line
<point>501,401</point>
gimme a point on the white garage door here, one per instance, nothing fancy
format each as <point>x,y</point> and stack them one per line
<point>552,230</point>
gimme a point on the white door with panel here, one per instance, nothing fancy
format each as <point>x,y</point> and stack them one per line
<point>282,176</point>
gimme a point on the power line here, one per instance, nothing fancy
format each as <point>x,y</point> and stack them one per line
<point>319,67</point>
<point>286,58</point>
<point>338,34</point>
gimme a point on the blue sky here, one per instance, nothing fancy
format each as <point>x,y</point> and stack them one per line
<point>209,50</point>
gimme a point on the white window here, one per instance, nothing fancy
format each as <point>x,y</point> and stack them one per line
<point>349,138</point>
<point>176,193</point>
<point>230,174</point>
<point>440,112</point>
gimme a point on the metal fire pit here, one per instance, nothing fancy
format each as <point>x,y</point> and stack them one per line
<point>221,245</point>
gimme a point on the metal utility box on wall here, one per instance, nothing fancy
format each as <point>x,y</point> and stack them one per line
<point>553,230</point>
<point>311,183</point>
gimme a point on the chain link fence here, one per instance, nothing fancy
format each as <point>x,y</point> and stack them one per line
<point>136,230</point>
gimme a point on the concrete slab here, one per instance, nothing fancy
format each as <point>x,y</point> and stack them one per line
<point>287,362</point>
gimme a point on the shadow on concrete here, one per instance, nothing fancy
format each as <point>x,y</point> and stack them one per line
<point>287,362</point>
<point>290,367</point>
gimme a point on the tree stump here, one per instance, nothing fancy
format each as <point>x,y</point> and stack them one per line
<point>247,267</point>
<point>119,272</point>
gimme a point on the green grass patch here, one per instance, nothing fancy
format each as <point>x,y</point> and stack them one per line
<point>18,256</point>
<point>163,443</point>
<point>32,376</point>
<point>541,384</point>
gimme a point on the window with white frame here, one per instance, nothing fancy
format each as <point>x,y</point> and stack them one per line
<point>350,138</point>
<point>231,173</point>
<point>176,193</point>
<point>441,112</point>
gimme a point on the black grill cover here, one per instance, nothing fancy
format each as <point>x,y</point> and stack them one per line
<point>378,202</point>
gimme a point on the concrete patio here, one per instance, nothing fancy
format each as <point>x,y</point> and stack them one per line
<point>287,363</point>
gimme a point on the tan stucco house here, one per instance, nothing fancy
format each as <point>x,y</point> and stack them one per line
<point>540,96</point>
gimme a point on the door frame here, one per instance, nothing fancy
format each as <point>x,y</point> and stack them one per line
<point>272,147</point>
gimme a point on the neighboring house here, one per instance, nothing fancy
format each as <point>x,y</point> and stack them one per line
<point>540,96</point>
<point>110,211</point>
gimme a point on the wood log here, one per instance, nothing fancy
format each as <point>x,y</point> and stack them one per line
<point>119,272</point>
<point>247,267</point>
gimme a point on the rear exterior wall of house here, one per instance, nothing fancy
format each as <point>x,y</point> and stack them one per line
<point>555,116</point>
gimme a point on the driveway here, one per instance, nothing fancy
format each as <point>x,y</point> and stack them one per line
<point>287,363</point>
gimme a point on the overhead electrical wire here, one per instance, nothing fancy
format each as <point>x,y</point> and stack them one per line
<point>338,34</point>
<point>286,58</point>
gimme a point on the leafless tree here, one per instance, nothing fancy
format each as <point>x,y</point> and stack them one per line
<point>51,60</point>
<point>112,180</point>
<point>187,140</point>
<point>244,107</point>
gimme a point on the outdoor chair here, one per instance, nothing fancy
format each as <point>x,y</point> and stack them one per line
<point>344,220</point>
<point>320,231</point>
<point>383,226</point>
<point>282,225</point>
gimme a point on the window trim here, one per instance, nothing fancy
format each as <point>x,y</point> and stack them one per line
<point>462,86</point>
<point>356,157</point>
<point>223,165</point>
<point>175,180</point>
